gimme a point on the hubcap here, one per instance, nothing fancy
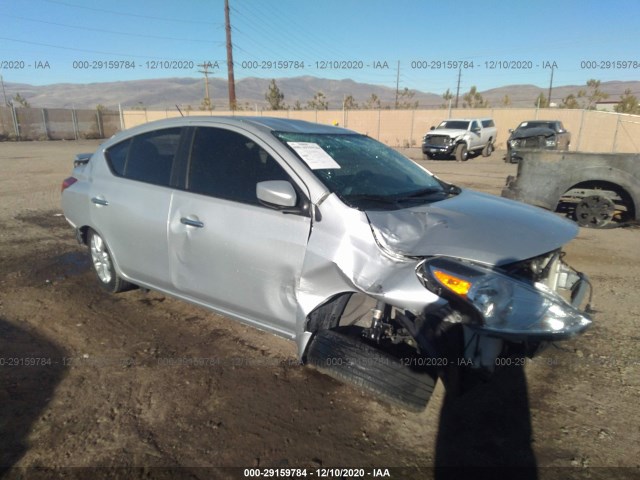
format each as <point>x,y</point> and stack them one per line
<point>100,258</point>
<point>595,211</point>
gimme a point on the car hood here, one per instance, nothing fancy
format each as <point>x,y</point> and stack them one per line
<point>447,131</point>
<point>532,132</point>
<point>473,226</point>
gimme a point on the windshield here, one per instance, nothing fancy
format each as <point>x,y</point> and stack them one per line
<point>363,172</point>
<point>454,124</point>
<point>524,125</point>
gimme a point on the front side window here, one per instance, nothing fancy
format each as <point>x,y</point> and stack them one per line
<point>363,172</point>
<point>226,164</point>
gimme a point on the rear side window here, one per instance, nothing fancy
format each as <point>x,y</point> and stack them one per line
<point>147,157</point>
<point>488,123</point>
<point>117,157</point>
<point>228,165</point>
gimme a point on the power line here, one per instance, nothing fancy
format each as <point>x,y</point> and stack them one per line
<point>79,49</point>
<point>93,29</point>
<point>103,10</point>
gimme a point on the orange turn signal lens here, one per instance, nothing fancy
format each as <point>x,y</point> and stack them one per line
<point>455,284</point>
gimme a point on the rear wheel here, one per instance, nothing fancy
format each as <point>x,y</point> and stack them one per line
<point>352,360</point>
<point>103,265</point>
<point>487,150</point>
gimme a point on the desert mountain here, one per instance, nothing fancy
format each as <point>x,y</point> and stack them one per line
<point>167,92</point>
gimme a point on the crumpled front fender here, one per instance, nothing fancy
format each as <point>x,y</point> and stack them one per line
<point>343,256</point>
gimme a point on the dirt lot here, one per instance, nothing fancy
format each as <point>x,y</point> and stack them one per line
<point>85,380</point>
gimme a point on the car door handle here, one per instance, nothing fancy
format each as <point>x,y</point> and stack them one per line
<point>191,222</point>
<point>100,201</point>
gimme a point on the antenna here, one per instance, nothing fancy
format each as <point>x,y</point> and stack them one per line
<point>181,114</point>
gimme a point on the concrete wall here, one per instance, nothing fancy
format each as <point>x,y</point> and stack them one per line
<point>592,131</point>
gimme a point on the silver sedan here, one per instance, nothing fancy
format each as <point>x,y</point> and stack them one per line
<point>382,273</point>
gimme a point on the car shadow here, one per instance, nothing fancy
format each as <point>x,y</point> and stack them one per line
<point>31,367</point>
<point>487,430</point>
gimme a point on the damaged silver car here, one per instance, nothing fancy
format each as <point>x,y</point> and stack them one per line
<point>383,274</point>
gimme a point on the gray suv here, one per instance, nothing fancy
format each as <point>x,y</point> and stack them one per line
<point>383,274</point>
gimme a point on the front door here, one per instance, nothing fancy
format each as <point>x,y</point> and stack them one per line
<point>227,250</point>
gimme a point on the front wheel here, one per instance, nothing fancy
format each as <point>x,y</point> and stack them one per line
<point>462,154</point>
<point>103,265</point>
<point>349,359</point>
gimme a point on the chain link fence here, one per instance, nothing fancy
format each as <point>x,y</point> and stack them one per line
<point>18,123</point>
<point>591,131</point>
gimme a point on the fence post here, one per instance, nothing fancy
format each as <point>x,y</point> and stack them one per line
<point>413,114</point>
<point>379,120</point>
<point>99,119</point>
<point>615,134</point>
<point>16,125</point>
<point>121,116</point>
<point>44,124</point>
<point>74,120</point>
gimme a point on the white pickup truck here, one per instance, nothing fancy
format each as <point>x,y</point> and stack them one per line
<point>459,137</point>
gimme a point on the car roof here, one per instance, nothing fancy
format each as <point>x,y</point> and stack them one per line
<point>540,121</point>
<point>466,119</point>
<point>256,123</point>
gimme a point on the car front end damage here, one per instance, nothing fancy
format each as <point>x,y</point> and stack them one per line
<point>537,138</point>
<point>438,144</point>
<point>444,291</point>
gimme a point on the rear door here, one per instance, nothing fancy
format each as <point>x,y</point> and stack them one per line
<point>227,250</point>
<point>130,198</point>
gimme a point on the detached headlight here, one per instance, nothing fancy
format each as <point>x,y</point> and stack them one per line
<point>551,142</point>
<point>505,306</point>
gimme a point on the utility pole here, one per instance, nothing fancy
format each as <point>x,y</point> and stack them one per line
<point>550,87</point>
<point>397,83</point>
<point>230,77</point>
<point>458,89</point>
<point>205,70</point>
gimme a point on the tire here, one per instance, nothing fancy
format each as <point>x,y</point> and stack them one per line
<point>351,360</point>
<point>487,150</point>
<point>462,154</point>
<point>103,265</point>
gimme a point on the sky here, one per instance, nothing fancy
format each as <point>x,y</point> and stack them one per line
<point>414,44</point>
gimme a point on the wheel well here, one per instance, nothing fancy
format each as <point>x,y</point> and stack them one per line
<point>624,196</point>
<point>328,315</point>
<point>82,235</point>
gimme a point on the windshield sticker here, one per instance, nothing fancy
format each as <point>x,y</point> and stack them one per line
<point>313,155</point>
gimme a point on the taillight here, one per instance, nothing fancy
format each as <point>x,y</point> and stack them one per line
<point>67,182</point>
